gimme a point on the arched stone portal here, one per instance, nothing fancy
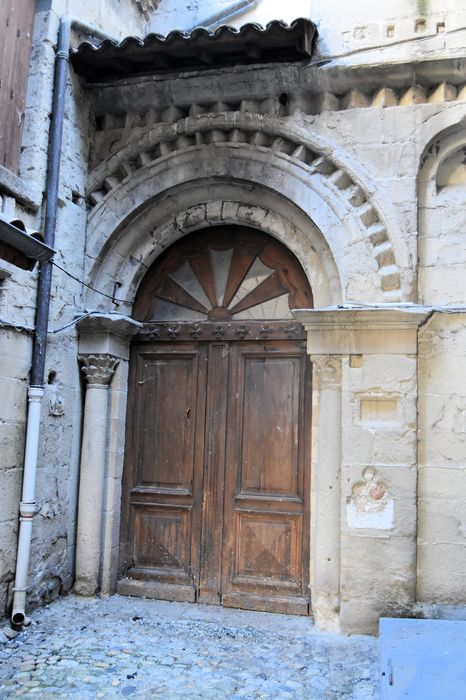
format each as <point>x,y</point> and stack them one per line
<point>125,256</point>
<point>364,366</point>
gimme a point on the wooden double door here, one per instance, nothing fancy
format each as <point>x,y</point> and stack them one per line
<point>216,487</point>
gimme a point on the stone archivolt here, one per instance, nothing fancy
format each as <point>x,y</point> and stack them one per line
<point>234,129</point>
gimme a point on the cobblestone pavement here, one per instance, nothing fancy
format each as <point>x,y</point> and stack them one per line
<point>128,647</point>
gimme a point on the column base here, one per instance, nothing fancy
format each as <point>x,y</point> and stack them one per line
<point>85,587</point>
<point>326,613</point>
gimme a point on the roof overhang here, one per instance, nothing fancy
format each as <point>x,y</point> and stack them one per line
<point>20,247</point>
<point>201,48</point>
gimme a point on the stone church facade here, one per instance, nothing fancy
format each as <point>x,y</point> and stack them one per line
<point>259,268</point>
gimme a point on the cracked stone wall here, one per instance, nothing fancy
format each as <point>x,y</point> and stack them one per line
<point>52,559</point>
<point>442,371</point>
<point>372,130</point>
<point>51,569</point>
<point>441,578</point>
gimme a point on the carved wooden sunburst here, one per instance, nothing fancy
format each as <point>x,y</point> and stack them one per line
<point>227,273</point>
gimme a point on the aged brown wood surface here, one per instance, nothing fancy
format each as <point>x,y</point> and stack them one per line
<point>216,275</point>
<point>267,491</point>
<point>214,475</point>
<point>165,451</point>
<point>216,488</point>
<point>16,21</point>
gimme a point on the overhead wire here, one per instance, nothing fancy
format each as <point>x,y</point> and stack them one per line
<point>15,326</point>
<point>89,286</point>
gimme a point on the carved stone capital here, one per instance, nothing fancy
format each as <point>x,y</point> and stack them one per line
<point>328,369</point>
<point>98,369</point>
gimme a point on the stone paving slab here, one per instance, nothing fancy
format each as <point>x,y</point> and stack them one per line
<point>131,647</point>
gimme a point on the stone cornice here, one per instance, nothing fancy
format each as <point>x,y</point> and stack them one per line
<point>312,90</point>
<point>376,330</point>
<point>24,191</point>
<point>388,317</point>
<point>115,324</point>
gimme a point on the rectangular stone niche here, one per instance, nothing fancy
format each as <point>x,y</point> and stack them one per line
<point>378,410</point>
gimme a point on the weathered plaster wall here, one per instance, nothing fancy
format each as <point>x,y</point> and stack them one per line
<point>15,354</point>
<point>52,548</point>
<point>119,18</point>
<point>442,453</point>
<point>442,371</point>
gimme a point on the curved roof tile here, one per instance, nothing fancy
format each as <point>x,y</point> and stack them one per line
<point>200,48</point>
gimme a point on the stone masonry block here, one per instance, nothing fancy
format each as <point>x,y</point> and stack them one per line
<point>444,584</point>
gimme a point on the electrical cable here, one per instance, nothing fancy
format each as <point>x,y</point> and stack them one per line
<point>402,305</point>
<point>15,326</point>
<point>89,286</point>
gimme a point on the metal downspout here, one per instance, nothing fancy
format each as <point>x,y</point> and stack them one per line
<point>27,506</point>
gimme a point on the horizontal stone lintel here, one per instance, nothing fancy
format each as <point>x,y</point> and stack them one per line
<point>342,331</point>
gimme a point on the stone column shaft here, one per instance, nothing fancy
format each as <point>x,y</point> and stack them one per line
<point>98,370</point>
<point>327,477</point>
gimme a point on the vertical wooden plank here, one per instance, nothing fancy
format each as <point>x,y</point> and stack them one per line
<point>16,24</point>
<point>214,471</point>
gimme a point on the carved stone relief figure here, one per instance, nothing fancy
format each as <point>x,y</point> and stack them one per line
<point>370,504</point>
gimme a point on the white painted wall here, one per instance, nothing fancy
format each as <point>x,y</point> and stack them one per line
<point>343,27</point>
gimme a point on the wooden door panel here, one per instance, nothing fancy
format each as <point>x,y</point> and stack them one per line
<point>267,550</point>
<point>216,482</point>
<point>161,516</point>
<point>167,386</point>
<point>268,399</point>
<point>16,25</point>
<point>162,543</point>
<point>217,507</point>
<point>267,488</point>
